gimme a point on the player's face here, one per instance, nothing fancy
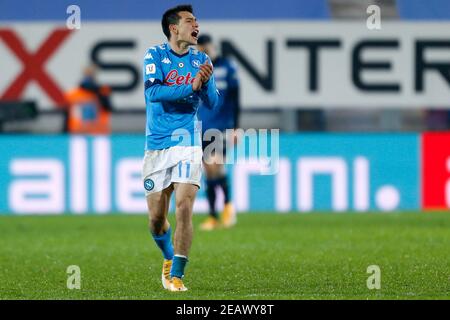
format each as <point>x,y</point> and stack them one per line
<point>187,28</point>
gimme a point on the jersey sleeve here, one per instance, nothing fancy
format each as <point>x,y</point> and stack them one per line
<point>209,94</point>
<point>155,90</point>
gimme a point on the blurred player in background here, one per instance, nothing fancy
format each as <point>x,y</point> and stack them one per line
<point>176,77</point>
<point>90,108</point>
<point>225,117</point>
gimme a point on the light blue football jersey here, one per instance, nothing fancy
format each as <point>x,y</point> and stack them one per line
<point>170,101</point>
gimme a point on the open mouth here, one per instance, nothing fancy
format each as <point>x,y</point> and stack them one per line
<point>194,34</point>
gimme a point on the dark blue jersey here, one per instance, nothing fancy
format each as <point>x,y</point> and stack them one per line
<point>226,116</point>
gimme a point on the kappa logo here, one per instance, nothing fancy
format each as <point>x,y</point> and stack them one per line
<point>166,61</point>
<point>148,56</point>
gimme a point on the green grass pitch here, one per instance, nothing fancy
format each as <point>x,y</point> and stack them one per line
<point>265,256</point>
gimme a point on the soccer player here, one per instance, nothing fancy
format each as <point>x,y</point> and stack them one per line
<point>176,77</point>
<point>222,118</point>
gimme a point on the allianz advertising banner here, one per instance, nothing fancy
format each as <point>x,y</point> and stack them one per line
<point>281,63</point>
<point>314,172</point>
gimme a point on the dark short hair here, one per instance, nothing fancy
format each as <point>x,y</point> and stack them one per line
<point>171,17</point>
<point>204,39</point>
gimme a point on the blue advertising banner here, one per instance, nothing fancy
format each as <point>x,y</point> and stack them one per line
<point>338,172</point>
<point>314,172</point>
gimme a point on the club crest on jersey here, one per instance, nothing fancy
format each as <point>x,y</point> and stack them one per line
<point>195,63</point>
<point>173,78</point>
<point>181,65</point>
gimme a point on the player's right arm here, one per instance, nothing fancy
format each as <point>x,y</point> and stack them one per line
<point>155,89</point>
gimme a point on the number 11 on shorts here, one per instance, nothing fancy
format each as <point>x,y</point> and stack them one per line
<point>188,169</point>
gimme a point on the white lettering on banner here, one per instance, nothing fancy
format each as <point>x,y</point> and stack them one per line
<point>78,154</point>
<point>361,181</point>
<point>130,190</point>
<point>255,166</point>
<point>38,185</point>
<point>283,186</point>
<point>334,166</point>
<point>387,198</point>
<point>102,174</point>
<point>31,195</point>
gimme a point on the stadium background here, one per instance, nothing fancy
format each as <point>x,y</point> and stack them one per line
<point>363,118</point>
<point>371,129</point>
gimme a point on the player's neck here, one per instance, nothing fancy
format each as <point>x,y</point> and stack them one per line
<point>180,47</point>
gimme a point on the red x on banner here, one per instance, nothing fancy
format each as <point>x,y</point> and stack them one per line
<point>33,64</point>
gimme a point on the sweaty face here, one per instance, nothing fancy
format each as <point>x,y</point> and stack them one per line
<point>187,29</point>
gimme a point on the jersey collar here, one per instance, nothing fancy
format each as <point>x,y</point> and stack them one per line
<point>176,54</point>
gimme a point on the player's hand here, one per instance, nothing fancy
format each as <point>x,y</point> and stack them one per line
<point>206,71</point>
<point>197,83</point>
